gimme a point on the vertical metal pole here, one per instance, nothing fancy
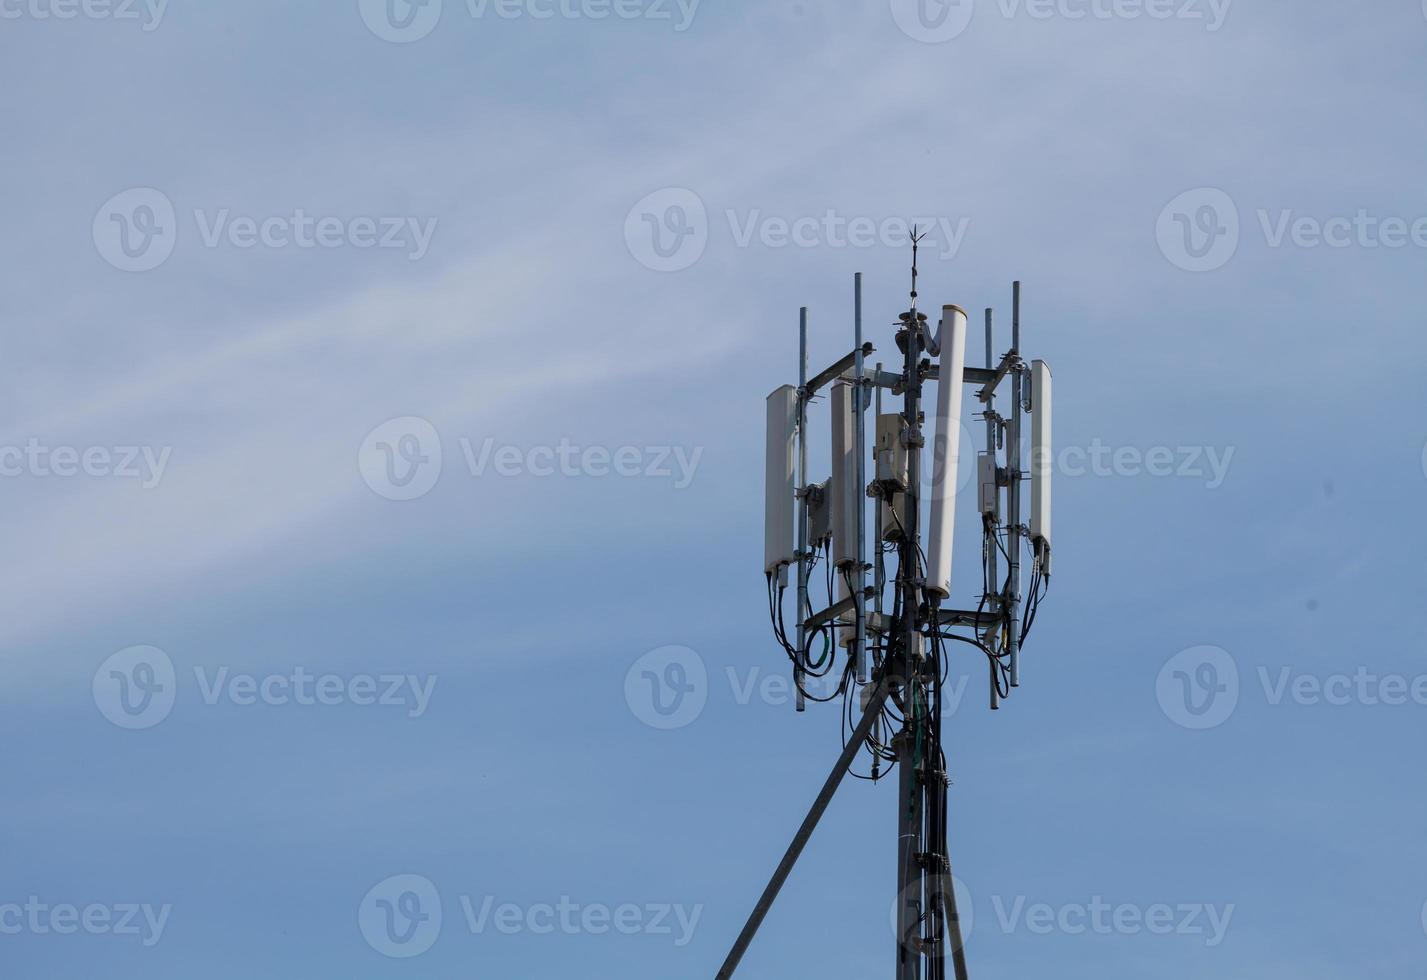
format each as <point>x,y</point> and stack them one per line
<point>990,412</point>
<point>859,490</point>
<point>1016,316</point>
<point>909,892</point>
<point>803,605</point>
<point>909,874</point>
<point>993,570</point>
<point>1013,491</point>
<point>880,581</point>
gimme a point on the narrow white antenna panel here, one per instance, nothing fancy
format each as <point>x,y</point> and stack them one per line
<point>1042,452</point>
<point>778,512</point>
<point>844,495</point>
<point>946,450</point>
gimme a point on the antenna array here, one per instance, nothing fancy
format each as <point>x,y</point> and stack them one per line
<point>895,620</point>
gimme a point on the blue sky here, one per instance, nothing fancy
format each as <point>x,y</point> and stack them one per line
<point>356,701</point>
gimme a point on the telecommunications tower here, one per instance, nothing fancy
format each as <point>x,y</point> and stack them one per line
<point>892,614</point>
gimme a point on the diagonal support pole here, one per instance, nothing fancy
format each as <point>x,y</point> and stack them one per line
<point>805,832</point>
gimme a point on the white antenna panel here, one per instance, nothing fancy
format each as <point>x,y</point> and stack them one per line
<point>778,513</point>
<point>843,492</point>
<point>1042,453</point>
<point>946,450</point>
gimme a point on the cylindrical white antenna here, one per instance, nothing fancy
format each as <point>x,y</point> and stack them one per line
<point>842,490</point>
<point>778,512</point>
<point>1042,454</point>
<point>946,451</point>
